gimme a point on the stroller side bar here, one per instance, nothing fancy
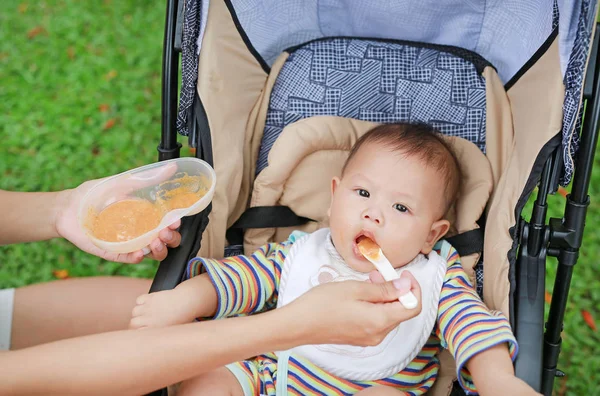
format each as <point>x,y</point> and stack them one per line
<point>169,148</point>
<point>179,27</point>
<point>172,269</point>
<point>529,295</point>
<point>566,235</point>
<point>561,238</point>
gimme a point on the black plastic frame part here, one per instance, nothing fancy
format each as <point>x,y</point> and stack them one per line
<point>530,279</point>
<point>169,148</point>
<point>171,270</point>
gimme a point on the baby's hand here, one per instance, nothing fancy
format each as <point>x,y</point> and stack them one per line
<point>193,298</point>
<point>160,309</point>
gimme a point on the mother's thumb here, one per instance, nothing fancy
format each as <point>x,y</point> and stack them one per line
<point>403,285</point>
<point>379,292</point>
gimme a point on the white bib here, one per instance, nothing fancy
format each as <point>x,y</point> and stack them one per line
<point>313,260</point>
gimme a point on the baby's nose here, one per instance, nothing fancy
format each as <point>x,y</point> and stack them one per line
<point>373,216</point>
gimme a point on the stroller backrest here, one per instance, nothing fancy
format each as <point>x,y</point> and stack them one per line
<point>538,51</point>
<point>371,80</point>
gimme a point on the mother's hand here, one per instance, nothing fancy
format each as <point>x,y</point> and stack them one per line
<point>353,312</point>
<point>68,228</point>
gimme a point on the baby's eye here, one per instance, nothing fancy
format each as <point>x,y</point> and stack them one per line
<point>363,193</point>
<point>401,208</point>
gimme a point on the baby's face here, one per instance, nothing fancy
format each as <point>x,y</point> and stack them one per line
<point>395,200</point>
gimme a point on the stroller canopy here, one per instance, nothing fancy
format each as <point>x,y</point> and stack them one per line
<point>506,33</point>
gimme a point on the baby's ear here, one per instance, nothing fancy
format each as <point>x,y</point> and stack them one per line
<point>438,230</point>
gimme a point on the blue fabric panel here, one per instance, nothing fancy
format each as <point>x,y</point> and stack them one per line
<point>377,81</point>
<point>574,78</point>
<point>479,277</point>
<point>189,62</point>
<point>506,32</point>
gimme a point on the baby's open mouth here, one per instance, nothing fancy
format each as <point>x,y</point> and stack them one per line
<point>364,235</point>
<point>361,237</point>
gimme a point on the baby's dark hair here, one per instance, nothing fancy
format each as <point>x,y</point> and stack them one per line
<point>421,141</point>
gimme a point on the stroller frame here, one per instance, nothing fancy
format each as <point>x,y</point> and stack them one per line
<point>537,237</point>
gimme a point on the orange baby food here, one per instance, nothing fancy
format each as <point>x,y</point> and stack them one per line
<point>180,201</point>
<point>369,248</point>
<point>125,220</point>
<point>188,191</point>
<point>130,218</point>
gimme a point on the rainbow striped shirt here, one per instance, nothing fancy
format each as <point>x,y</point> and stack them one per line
<point>465,326</point>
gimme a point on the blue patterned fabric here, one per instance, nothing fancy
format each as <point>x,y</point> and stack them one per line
<point>574,78</point>
<point>189,62</point>
<point>506,32</point>
<point>377,81</point>
<point>479,278</point>
<point>555,14</point>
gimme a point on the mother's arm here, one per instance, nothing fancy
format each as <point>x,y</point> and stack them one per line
<point>37,216</point>
<point>137,362</point>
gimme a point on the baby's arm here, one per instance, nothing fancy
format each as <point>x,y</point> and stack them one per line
<point>481,342</point>
<point>493,373</point>
<point>193,298</point>
<point>231,286</point>
<point>245,284</point>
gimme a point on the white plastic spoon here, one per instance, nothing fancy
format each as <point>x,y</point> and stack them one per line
<point>373,253</point>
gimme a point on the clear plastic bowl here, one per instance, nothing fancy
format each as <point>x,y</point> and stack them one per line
<point>158,184</point>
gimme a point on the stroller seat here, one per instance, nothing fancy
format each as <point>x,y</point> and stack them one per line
<point>321,96</point>
<point>255,100</point>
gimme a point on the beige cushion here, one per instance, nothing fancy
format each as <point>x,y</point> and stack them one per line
<point>310,152</point>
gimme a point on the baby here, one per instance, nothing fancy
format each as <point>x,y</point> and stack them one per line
<point>395,188</point>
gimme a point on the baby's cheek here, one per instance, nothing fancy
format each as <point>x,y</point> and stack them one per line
<point>400,254</point>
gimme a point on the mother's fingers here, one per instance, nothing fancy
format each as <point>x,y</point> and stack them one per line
<point>358,313</point>
<point>169,237</point>
<point>407,278</point>
<point>158,250</point>
<point>406,283</point>
<point>151,177</point>
<point>403,284</point>
<point>126,258</point>
<point>376,277</point>
<point>121,188</point>
<point>175,225</point>
<point>377,292</point>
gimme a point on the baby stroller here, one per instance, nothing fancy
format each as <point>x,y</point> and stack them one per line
<point>510,77</point>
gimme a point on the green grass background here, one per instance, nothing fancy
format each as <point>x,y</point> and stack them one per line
<point>67,68</point>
